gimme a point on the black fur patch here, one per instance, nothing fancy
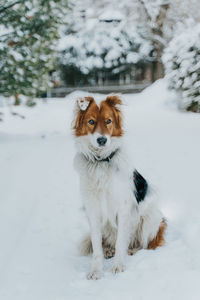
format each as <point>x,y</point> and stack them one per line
<point>141,186</point>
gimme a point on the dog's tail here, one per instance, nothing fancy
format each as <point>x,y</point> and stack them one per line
<point>86,245</point>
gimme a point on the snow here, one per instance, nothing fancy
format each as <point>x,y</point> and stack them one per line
<point>111,15</point>
<point>41,215</point>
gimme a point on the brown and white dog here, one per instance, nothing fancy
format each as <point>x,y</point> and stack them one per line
<point>122,212</point>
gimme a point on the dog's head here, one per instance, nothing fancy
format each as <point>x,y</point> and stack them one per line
<point>98,127</point>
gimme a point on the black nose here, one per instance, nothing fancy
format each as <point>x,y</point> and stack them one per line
<point>101,140</point>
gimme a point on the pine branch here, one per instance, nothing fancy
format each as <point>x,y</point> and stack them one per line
<point>2,9</point>
<point>6,34</point>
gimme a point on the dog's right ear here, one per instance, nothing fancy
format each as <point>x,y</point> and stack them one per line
<point>82,105</point>
<point>84,102</point>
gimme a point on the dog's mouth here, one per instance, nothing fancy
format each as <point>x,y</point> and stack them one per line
<point>97,151</point>
<point>101,152</point>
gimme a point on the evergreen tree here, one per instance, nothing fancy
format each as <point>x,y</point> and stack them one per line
<point>97,38</point>
<point>28,33</point>
<point>182,66</point>
<point>144,31</point>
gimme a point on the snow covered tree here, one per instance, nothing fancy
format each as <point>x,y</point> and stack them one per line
<point>98,37</point>
<point>114,35</point>
<point>103,45</point>
<point>182,65</point>
<point>158,21</point>
<point>154,13</point>
<point>28,34</point>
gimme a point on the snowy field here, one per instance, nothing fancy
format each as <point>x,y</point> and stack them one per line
<point>41,215</point>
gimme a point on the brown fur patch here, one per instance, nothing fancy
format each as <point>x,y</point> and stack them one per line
<point>107,111</point>
<point>159,238</point>
<point>109,251</point>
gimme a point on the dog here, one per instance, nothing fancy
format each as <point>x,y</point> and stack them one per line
<point>122,213</point>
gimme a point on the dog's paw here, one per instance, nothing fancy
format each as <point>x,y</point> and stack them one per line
<point>117,268</point>
<point>108,252</point>
<point>94,275</point>
<point>132,251</point>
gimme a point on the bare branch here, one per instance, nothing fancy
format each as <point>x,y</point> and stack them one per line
<point>162,14</point>
<point>155,38</point>
<point>145,10</point>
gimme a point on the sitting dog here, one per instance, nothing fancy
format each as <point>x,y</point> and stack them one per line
<point>122,214</point>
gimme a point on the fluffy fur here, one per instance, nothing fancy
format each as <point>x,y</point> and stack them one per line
<point>119,224</point>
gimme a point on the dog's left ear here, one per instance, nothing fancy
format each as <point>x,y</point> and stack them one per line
<point>114,101</point>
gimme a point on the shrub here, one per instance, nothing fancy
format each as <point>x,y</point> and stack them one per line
<point>182,66</point>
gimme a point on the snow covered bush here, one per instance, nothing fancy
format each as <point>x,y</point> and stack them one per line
<point>99,38</point>
<point>111,35</point>
<point>103,45</point>
<point>182,66</point>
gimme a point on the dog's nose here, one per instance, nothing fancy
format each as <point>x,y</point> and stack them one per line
<point>101,140</point>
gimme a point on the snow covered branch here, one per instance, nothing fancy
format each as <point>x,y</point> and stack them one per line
<point>3,8</point>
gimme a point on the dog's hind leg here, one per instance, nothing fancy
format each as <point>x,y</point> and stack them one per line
<point>109,240</point>
<point>133,251</point>
<point>158,240</point>
<point>151,229</point>
<point>85,247</point>
<point>108,251</point>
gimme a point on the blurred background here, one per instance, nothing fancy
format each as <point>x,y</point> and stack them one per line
<point>49,48</point>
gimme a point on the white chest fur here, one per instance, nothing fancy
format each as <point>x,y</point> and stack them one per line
<point>105,186</point>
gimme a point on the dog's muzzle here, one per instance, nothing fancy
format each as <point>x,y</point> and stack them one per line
<point>101,140</point>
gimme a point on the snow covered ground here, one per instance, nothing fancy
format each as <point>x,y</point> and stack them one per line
<point>41,215</point>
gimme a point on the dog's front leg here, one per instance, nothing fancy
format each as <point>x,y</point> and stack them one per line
<point>125,230</point>
<point>93,213</point>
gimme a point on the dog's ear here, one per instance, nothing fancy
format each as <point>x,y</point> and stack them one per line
<point>81,107</point>
<point>114,101</point>
<point>84,102</point>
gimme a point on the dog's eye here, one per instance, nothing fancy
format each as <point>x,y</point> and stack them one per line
<point>91,122</point>
<point>108,121</point>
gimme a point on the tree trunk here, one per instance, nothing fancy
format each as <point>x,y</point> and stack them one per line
<point>158,70</point>
<point>156,29</point>
<point>17,100</point>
